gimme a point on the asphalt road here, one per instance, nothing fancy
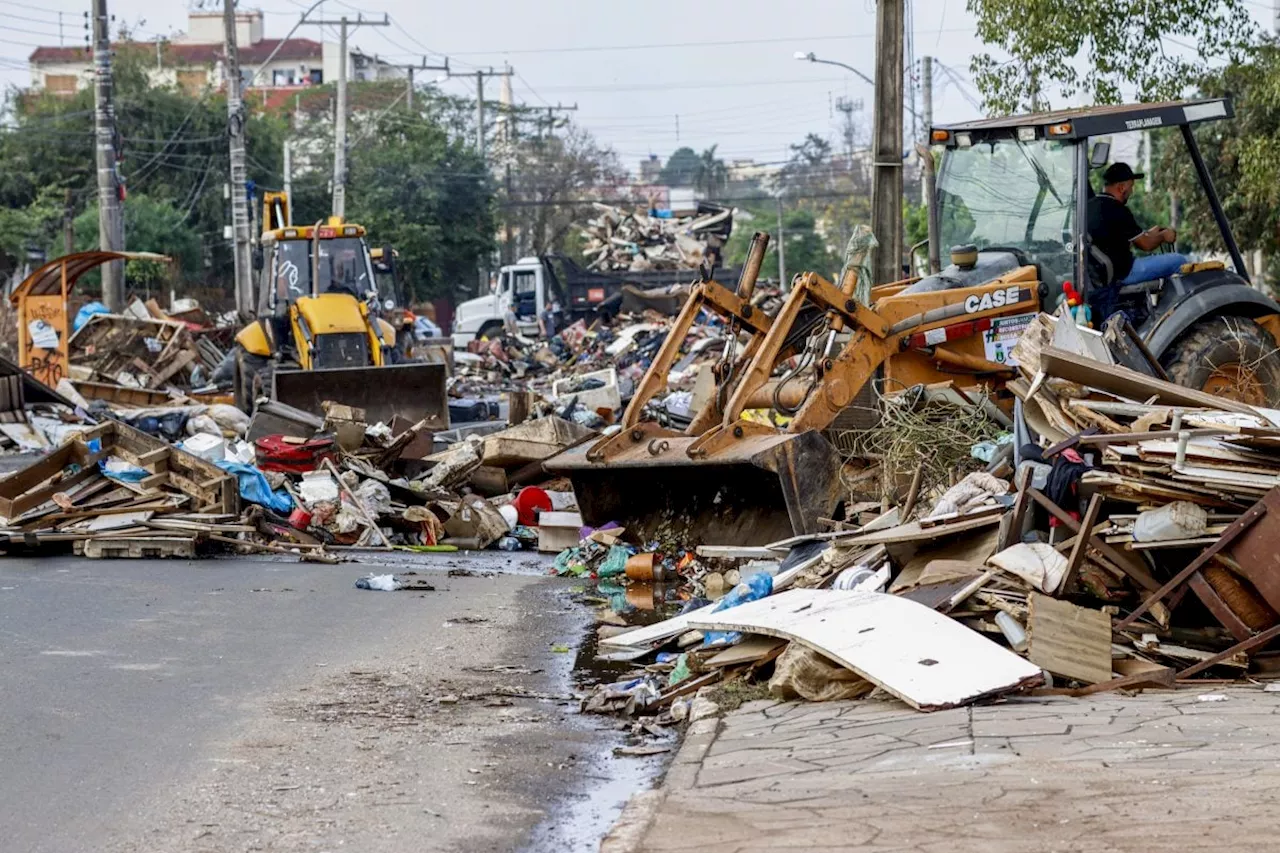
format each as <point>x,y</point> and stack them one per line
<point>246,704</point>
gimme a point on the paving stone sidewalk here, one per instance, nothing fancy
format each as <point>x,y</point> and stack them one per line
<point>1165,771</point>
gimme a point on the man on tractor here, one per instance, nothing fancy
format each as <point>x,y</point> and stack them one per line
<point>1114,230</point>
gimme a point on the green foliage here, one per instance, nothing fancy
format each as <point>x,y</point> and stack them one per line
<point>553,179</point>
<point>174,153</point>
<point>1241,156</point>
<point>150,223</point>
<point>1088,50</point>
<point>682,167</point>
<point>806,249</point>
<point>425,192</point>
<point>711,176</point>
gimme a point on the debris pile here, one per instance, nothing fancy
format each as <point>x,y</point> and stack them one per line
<point>1111,534</point>
<point>622,240</point>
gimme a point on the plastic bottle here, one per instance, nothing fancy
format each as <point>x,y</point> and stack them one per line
<point>509,543</point>
<point>1080,312</point>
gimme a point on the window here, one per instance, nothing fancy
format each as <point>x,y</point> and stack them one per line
<point>317,76</point>
<point>282,77</point>
<point>61,84</point>
<point>525,296</point>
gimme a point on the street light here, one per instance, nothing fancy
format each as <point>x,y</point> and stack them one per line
<point>809,57</point>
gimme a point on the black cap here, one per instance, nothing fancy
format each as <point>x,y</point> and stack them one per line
<point>1120,172</point>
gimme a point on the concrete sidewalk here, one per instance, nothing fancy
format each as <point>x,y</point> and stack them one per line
<point>1165,771</point>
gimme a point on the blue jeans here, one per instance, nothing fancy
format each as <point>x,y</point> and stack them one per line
<point>1152,267</point>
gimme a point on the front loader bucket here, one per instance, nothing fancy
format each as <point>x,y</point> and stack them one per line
<point>414,391</point>
<point>764,489</point>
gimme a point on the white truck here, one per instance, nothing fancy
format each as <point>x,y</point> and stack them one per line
<point>529,284</point>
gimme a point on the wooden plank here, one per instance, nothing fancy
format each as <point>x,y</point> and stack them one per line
<point>1012,533</point>
<point>1071,641</point>
<point>1129,383</point>
<point>1082,542</point>
<point>140,548</point>
<point>1237,527</point>
<point>1159,676</point>
<point>928,660</point>
<point>736,552</point>
<point>910,532</point>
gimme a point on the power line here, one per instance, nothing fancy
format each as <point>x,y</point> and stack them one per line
<point>679,44</point>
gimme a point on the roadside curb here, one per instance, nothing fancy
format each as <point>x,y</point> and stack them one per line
<point>629,830</point>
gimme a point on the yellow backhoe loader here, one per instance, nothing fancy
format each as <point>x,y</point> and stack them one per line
<point>316,338</point>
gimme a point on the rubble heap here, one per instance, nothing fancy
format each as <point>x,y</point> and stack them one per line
<point>623,240</point>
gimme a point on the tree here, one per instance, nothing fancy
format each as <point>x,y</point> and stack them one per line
<point>426,192</point>
<point>807,250</point>
<point>711,176</point>
<point>173,149</point>
<point>151,226</point>
<point>1240,155</point>
<point>1090,49</point>
<point>681,168</point>
<point>555,179</point>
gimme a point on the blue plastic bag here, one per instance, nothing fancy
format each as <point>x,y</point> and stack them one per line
<point>254,487</point>
<point>83,315</point>
<point>752,589</point>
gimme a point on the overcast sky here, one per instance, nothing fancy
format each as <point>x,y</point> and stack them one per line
<point>646,76</point>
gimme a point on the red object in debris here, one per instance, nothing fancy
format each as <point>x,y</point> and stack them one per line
<point>292,455</point>
<point>529,503</point>
<point>299,519</point>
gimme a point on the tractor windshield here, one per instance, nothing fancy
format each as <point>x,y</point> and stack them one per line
<point>1010,194</point>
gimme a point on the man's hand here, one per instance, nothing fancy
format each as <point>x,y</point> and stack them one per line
<point>1169,235</point>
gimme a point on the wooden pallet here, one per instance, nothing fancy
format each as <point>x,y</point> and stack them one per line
<point>137,548</point>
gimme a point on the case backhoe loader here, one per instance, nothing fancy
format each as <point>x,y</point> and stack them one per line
<point>1012,200</point>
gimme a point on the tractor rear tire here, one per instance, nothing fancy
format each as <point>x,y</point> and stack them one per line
<point>1230,357</point>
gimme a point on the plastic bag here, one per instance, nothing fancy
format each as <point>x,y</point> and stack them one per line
<point>857,256</point>
<point>800,672</point>
<point>83,315</point>
<point>752,589</point>
<point>615,563</point>
<point>255,488</point>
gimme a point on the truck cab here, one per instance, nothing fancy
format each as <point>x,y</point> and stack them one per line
<point>525,286</point>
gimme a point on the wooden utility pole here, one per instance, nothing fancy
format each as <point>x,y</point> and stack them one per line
<point>480,74</point>
<point>241,249</point>
<point>886,189</point>
<point>110,218</point>
<point>344,24</point>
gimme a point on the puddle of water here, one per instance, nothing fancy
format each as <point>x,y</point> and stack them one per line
<point>582,820</point>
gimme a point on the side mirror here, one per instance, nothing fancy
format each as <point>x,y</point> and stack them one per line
<point>1100,154</point>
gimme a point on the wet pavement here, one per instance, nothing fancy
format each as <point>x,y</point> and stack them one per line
<point>244,702</point>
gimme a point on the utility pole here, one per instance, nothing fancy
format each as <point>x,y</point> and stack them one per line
<point>928,182</point>
<point>344,24</point>
<point>288,179</point>
<point>782,248</point>
<point>68,223</point>
<point>886,190</point>
<point>110,220</point>
<point>480,74</point>
<point>241,250</point>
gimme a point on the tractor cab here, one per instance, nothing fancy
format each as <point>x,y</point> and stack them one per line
<point>1014,191</point>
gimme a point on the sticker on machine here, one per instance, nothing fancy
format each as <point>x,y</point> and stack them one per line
<point>999,340</point>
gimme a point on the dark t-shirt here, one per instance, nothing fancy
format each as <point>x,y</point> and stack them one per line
<point>1112,227</point>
